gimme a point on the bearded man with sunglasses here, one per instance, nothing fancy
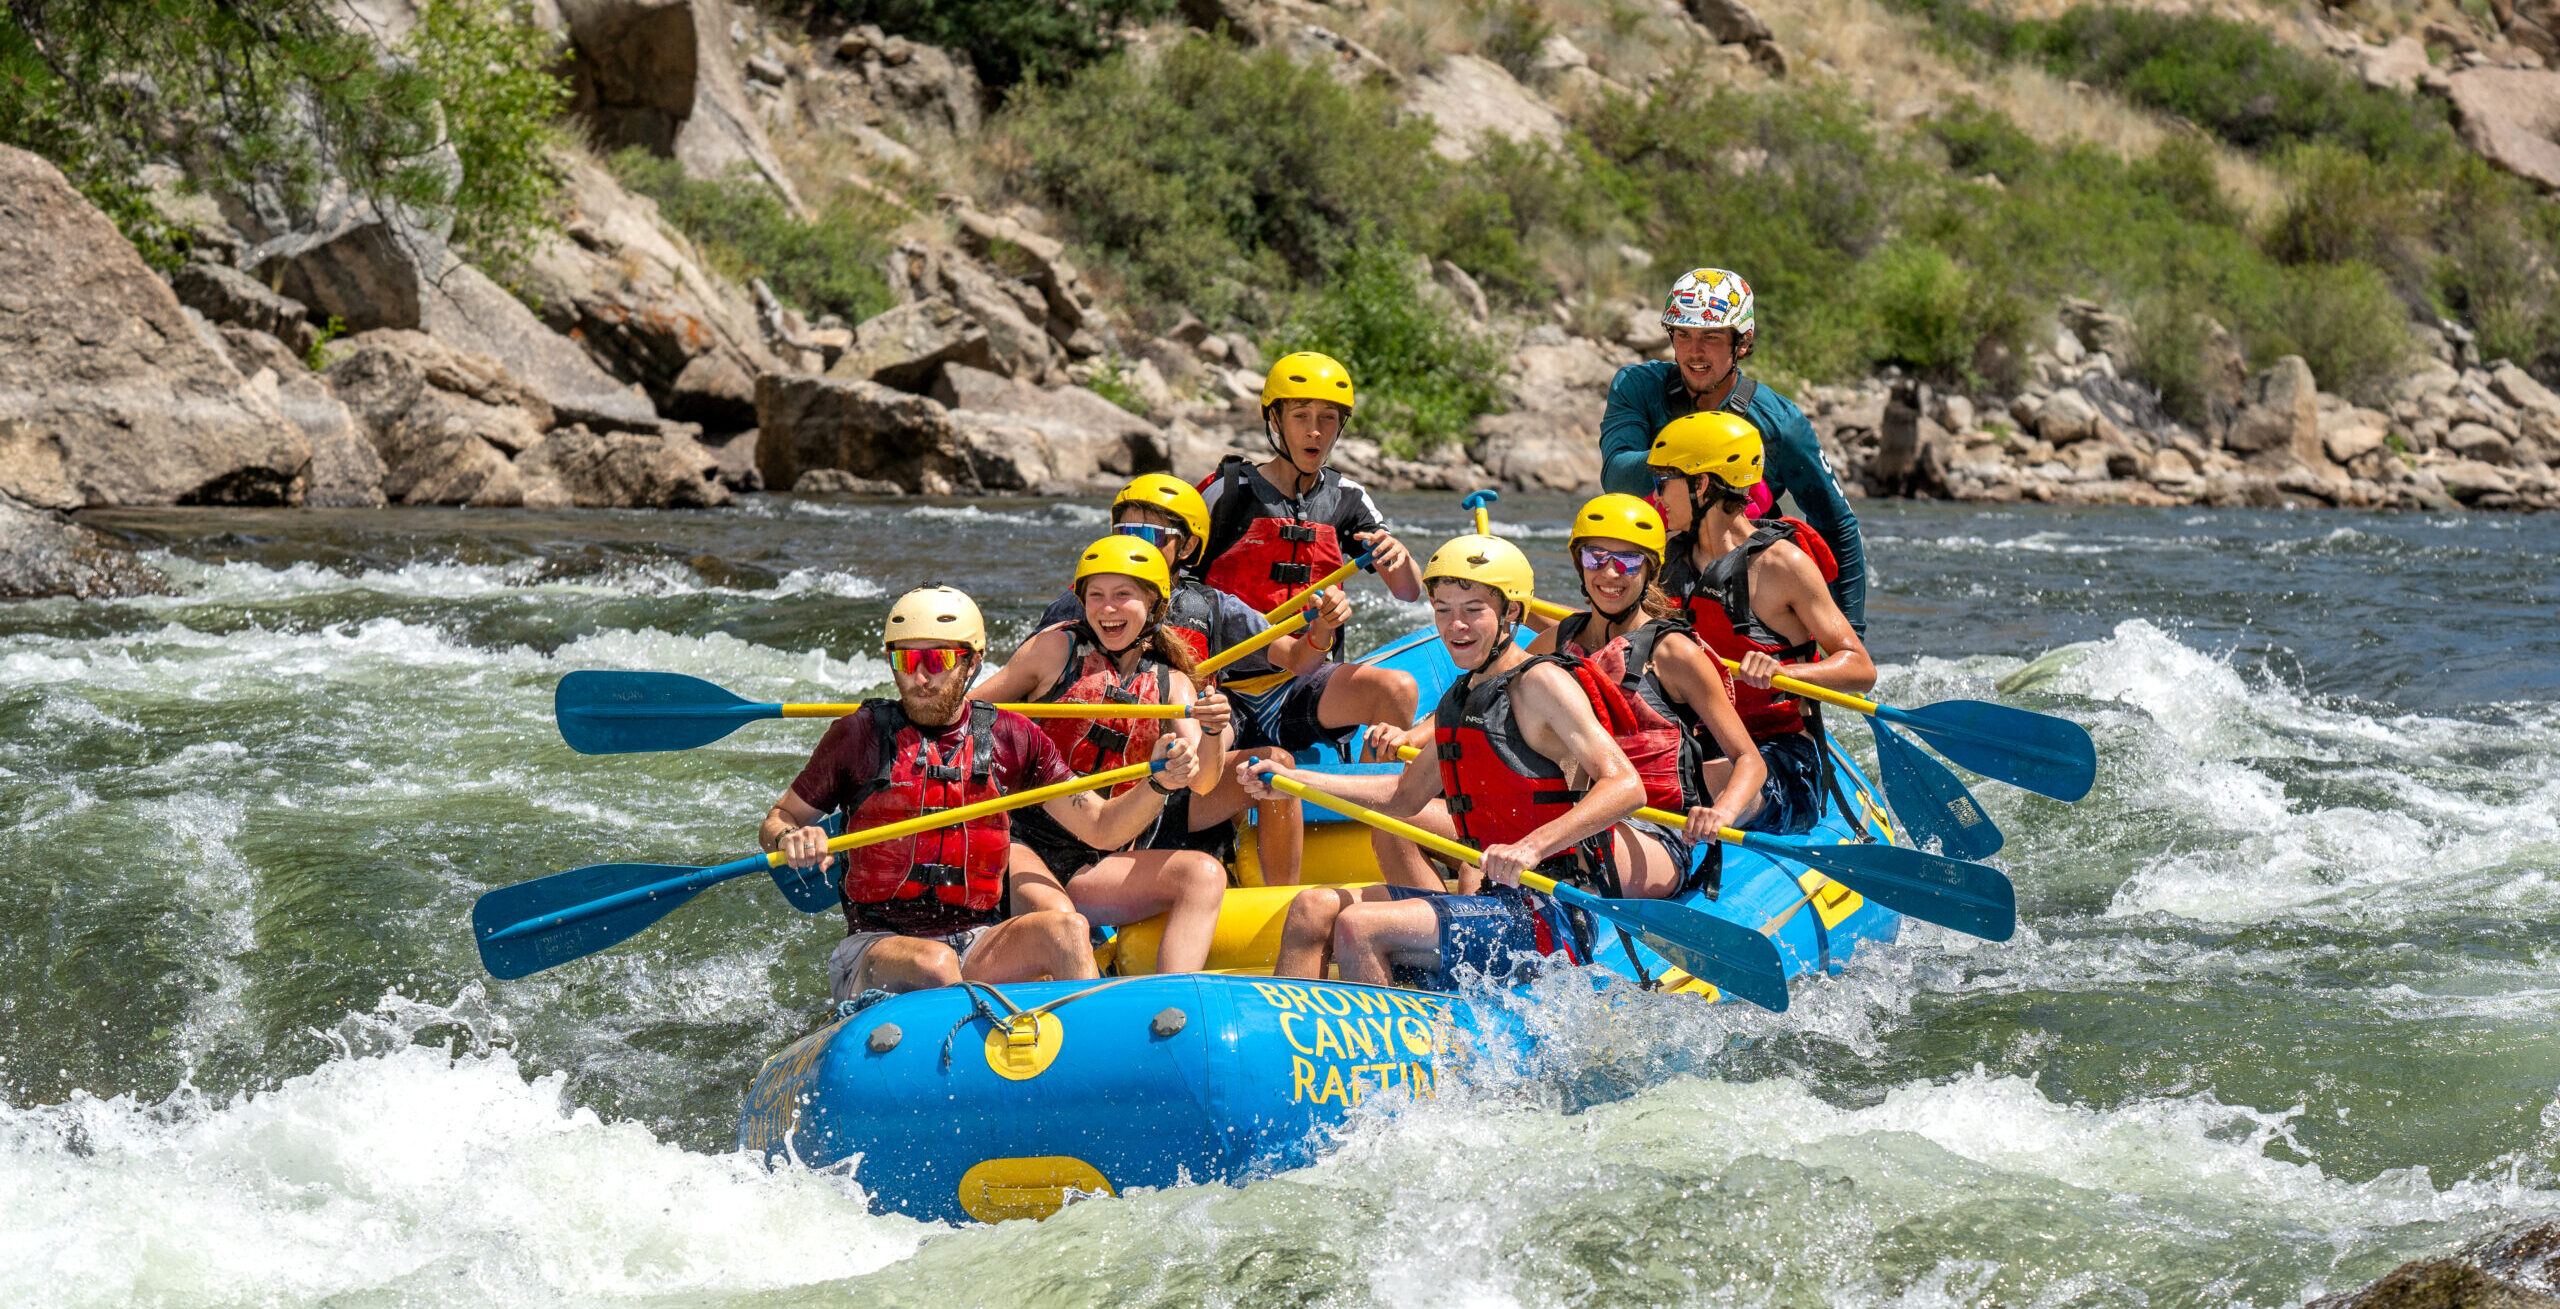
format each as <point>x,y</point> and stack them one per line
<point>945,905</point>
<point>1754,597</point>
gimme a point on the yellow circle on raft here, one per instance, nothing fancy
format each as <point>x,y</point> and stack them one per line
<point>1022,1047</point>
<point>1033,1186</point>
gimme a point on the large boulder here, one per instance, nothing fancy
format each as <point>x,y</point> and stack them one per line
<point>873,432</point>
<point>44,553</point>
<point>2280,417</point>
<point>635,293</point>
<point>660,74</point>
<point>2511,115</point>
<point>1001,239</point>
<point>907,346</point>
<point>1066,441</point>
<point>109,393</point>
<point>374,270</point>
<point>631,470</point>
<point>1466,97</point>
<point>1548,439</point>
<point>346,473</point>
<point>447,423</point>
<point>226,295</point>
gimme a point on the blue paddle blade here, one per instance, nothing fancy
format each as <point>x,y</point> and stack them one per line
<point>815,889</point>
<point>519,956</point>
<point>2036,752</point>
<point>610,712</point>
<point>1740,962</point>
<point>1932,802</point>
<point>1975,899</point>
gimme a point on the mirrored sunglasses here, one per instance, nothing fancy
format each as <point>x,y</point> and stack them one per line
<point>1627,562</point>
<point>1158,536</point>
<point>933,662</point>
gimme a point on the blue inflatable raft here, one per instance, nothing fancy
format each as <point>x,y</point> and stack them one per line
<point>986,1103</point>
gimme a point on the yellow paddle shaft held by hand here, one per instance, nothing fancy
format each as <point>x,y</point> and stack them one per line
<point>972,812</point>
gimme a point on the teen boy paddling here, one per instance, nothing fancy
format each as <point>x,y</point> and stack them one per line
<point>1275,527</point>
<point>1753,597</point>
<point>1534,780</point>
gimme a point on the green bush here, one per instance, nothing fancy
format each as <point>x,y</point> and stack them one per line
<point>828,264</point>
<point>1011,41</point>
<point>1934,315</point>
<point>1213,178</point>
<point>276,92</point>
<point>1422,376</point>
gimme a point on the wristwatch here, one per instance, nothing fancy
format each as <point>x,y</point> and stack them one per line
<point>1155,783</point>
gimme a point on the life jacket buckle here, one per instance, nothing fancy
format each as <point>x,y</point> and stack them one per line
<point>1452,750</point>
<point>944,772</point>
<point>1122,695</point>
<point>1459,804</point>
<point>1298,534</point>
<point>941,875</point>
<point>1110,740</point>
<point>1291,574</point>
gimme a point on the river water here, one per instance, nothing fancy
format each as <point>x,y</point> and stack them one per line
<point>2278,1014</point>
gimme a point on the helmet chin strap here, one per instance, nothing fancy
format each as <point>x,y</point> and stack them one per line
<point>1622,615</point>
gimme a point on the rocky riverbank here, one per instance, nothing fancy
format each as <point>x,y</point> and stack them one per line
<point>342,354</point>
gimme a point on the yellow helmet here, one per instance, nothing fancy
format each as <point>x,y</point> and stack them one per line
<point>1170,494</point>
<point>1487,559</point>
<point>936,613</point>
<point>1129,557</point>
<point>1624,517</point>
<point>1716,442</point>
<point>1307,375</point>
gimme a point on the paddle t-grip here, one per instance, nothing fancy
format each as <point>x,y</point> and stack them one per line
<point>1476,503</point>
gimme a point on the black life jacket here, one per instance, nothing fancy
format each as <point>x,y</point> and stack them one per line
<point>1717,601</point>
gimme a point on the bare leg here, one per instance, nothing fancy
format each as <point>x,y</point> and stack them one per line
<point>1401,863</point>
<point>1646,871</point>
<point>1279,831</point>
<point>1033,885</point>
<point>1042,946</point>
<point>1186,885</point>
<point>1360,694</point>
<point>907,963</point>
<point>1369,938</point>
<point>1306,938</point>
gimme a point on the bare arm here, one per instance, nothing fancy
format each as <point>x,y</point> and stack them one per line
<point>1319,638</point>
<point>1558,722</point>
<point>791,826</point>
<point>1113,823</point>
<point>1033,669</point>
<point>1692,680</point>
<point>1789,594</point>
<point>1401,795</point>
<point>1210,747</point>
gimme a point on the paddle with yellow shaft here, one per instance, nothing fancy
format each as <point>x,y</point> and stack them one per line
<point>1738,960</point>
<point>547,921</point>
<point>1972,898</point>
<point>604,711</point>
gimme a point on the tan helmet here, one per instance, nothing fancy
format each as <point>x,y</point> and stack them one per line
<point>936,613</point>
<point>1486,559</point>
<point>1307,375</point>
<point>1623,517</point>
<point>1712,442</point>
<point>1170,494</point>
<point>1129,557</point>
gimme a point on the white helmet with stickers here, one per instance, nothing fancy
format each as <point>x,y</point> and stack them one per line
<point>1709,297</point>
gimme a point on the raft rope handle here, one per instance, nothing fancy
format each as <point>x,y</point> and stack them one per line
<point>978,1008</point>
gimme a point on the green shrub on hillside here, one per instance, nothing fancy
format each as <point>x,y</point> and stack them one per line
<point>275,92</point>
<point>2231,78</point>
<point>1423,376</point>
<point>1011,41</point>
<point>1214,178</point>
<point>829,264</point>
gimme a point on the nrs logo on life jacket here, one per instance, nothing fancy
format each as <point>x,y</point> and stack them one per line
<point>1091,676</point>
<point>1717,601</point>
<point>936,881</point>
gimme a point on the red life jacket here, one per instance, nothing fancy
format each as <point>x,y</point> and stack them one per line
<point>1499,789</point>
<point>1093,745</point>
<point>1718,603</point>
<point>1263,547</point>
<point>1627,659</point>
<point>963,866</point>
